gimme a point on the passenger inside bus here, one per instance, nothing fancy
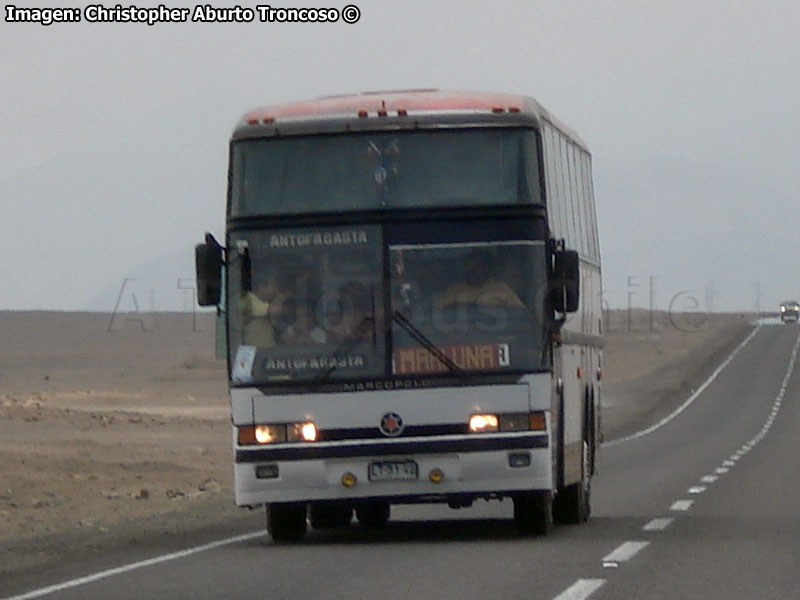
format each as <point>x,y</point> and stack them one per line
<point>352,316</point>
<point>261,309</point>
<point>480,286</point>
<point>304,331</point>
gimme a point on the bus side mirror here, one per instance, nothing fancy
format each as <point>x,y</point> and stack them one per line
<point>208,266</point>
<point>566,281</point>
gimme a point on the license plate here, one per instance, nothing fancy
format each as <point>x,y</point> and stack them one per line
<point>393,470</point>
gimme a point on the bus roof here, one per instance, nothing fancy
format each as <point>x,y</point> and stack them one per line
<point>399,109</point>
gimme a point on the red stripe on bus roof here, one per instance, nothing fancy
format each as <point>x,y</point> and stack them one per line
<point>391,101</point>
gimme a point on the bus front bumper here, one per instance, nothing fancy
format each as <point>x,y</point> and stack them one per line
<point>397,472</point>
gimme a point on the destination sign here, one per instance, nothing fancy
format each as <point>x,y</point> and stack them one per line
<point>318,238</point>
<point>320,362</point>
<point>468,357</point>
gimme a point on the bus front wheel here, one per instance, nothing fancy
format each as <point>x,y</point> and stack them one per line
<point>533,513</point>
<point>286,522</point>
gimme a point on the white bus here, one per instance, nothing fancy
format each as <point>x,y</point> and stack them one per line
<point>410,286</point>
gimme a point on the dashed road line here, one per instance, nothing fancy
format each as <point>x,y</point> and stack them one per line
<point>625,551</point>
<point>583,588</point>
<point>658,524</point>
<point>776,406</point>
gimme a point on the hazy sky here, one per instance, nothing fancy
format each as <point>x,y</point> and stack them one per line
<point>114,136</point>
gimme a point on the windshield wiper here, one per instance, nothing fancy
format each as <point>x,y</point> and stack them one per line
<point>347,345</point>
<point>423,341</point>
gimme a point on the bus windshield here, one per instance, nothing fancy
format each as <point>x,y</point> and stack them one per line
<point>467,307</point>
<point>384,170</point>
<point>306,304</point>
<point>310,305</point>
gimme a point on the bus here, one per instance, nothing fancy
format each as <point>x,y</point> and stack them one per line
<point>410,291</point>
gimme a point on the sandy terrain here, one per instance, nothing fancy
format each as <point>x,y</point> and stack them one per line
<point>103,423</point>
<point>112,429</point>
<point>653,361</point>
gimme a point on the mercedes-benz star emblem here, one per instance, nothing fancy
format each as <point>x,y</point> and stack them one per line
<point>391,424</point>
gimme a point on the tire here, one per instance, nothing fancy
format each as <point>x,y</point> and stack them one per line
<point>329,515</point>
<point>573,504</point>
<point>286,522</point>
<point>533,513</point>
<point>373,515</point>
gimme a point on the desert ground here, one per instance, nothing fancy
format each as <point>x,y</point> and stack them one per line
<point>116,428</point>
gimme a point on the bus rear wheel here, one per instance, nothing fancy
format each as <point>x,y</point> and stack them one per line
<point>373,515</point>
<point>533,513</point>
<point>329,515</point>
<point>286,522</point>
<point>573,504</point>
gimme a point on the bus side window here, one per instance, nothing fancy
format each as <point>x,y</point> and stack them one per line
<point>569,200</point>
<point>555,207</point>
<point>581,199</point>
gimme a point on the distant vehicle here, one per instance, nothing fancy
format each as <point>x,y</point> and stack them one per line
<point>397,276</point>
<point>790,311</point>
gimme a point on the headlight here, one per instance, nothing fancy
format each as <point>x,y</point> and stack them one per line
<point>301,432</point>
<point>490,423</point>
<point>483,423</point>
<point>783,309</point>
<point>270,434</point>
<point>276,433</point>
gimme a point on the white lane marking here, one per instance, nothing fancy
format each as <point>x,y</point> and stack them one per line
<point>698,489</point>
<point>681,505</point>
<point>778,400</point>
<point>583,588</point>
<point>58,587</point>
<point>658,524</point>
<point>625,551</point>
<point>689,400</point>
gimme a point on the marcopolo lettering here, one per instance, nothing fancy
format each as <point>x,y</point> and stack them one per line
<point>400,384</point>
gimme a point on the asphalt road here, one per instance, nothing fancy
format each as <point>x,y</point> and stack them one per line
<point>707,505</point>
